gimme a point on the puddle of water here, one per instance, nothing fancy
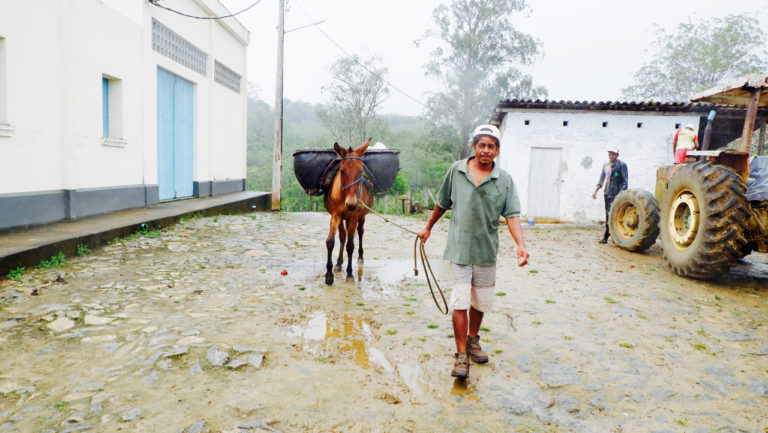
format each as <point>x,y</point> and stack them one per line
<point>353,332</point>
<point>378,357</point>
<point>465,389</point>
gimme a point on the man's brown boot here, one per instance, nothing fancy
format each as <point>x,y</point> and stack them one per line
<point>475,351</point>
<point>461,367</point>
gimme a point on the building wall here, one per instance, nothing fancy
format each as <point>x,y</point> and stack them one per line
<point>584,142</point>
<point>54,162</point>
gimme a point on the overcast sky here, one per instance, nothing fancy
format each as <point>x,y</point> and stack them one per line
<point>591,48</point>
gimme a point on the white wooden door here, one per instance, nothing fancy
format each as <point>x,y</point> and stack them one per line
<point>544,183</point>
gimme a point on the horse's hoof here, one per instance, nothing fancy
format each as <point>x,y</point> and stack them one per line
<point>350,279</point>
<point>360,260</point>
<point>337,268</point>
<point>329,279</point>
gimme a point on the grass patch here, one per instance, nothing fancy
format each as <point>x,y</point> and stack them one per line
<point>55,261</point>
<point>533,271</point>
<point>536,323</point>
<point>567,337</point>
<point>432,326</point>
<point>499,351</point>
<point>302,288</point>
<point>549,301</point>
<point>360,304</point>
<point>145,232</point>
<point>484,329</point>
<point>407,304</point>
<point>610,300</point>
<point>410,312</point>
<point>700,347</point>
<point>391,331</point>
<point>626,345</point>
<point>501,294</point>
<point>15,274</point>
<point>82,250</point>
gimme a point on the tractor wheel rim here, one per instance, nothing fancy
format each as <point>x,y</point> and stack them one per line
<point>627,218</point>
<point>684,219</point>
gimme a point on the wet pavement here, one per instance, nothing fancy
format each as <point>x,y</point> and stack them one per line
<point>194,329</point>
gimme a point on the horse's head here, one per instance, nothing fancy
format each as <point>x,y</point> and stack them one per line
<point>351,173</point>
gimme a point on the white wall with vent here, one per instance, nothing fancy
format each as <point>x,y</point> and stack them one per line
<point>53,55</point>
<point>644,141</point>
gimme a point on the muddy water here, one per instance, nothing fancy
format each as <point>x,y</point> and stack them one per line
<point>197,330</point>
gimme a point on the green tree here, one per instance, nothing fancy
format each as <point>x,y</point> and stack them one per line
<point>700,55</point>
<point>476,63</point>
<point>358,88</point>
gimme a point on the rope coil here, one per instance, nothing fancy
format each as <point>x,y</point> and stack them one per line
<point>428,273</point>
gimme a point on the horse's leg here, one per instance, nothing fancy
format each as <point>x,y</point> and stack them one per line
<point>342,242</point>
<point>360,230</point>
<point>351,226</point>
<point>329,245</point>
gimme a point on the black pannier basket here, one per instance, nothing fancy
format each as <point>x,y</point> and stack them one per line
<point>315,168</point>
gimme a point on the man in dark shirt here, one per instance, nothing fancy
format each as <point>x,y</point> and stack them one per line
<point>614,175</point>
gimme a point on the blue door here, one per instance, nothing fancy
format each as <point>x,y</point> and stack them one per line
<point>175,139</point>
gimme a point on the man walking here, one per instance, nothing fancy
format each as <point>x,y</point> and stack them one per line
<point>615,176</point>
<point>478,192</point>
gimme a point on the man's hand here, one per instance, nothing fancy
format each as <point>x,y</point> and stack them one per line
<point>522,255</point>
<point>424,235</point>
<point>594,195</point>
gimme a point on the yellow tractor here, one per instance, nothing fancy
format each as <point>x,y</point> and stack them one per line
<point>702,209</point>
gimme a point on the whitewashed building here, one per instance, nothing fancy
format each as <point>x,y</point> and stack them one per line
<point>115,104</point>
<point>555,150</point>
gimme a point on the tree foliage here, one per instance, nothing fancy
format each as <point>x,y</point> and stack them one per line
<point>477,61</point>
<point>700,55</point>
<point>357,91</point>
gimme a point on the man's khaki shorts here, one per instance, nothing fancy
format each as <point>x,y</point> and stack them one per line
<point>473,285</point>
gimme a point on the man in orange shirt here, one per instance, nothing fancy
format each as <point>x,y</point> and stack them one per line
<point>685,140</point>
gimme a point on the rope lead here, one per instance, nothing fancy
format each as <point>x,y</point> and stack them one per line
<point>428,273</point>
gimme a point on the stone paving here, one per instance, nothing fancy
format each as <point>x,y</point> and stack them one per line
<point>196,329</point>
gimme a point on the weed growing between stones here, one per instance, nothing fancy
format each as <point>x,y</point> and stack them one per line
<point>15,274</point>
<point>55,261</point>
<point>82,250</point>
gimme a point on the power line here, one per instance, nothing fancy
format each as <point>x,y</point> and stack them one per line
<point>316,25</point>
<point>157,3</point>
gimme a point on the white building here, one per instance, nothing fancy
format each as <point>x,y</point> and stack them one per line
<point>115,104</point>
<point>555,150</point>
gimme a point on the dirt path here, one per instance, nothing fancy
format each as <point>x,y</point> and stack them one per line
<point>197,330</point>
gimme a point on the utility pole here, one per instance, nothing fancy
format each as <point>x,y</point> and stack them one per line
<point>277,160</point>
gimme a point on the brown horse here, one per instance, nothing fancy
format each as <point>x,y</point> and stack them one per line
<point>343,202</point>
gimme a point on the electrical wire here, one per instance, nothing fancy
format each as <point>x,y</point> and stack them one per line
<point>157,3</point>
<point>316,25</point>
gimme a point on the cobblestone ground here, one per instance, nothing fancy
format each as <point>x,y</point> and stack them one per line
<point>196,330</point>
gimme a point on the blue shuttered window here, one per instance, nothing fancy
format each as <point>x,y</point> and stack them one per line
<point>105,107</point>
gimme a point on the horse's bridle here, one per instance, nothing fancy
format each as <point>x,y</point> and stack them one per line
<point>360,179</point>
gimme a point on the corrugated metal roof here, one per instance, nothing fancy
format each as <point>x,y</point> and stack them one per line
<point>701,108</point>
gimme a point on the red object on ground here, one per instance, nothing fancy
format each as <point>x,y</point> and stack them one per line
<point>284,272</point>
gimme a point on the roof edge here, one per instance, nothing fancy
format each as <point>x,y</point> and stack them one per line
<point>232,24</point>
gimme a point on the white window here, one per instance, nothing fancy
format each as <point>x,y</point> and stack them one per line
<point>112,111</point>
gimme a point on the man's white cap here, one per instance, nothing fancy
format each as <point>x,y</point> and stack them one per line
<point>487,130</point>
<point>614,150</point>
<point>689,126</point>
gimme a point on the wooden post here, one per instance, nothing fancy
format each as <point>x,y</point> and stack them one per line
<point>277,151</point>
<point>761,138</point>
<point>749,121</point>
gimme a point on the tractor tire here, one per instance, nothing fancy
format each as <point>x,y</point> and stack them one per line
<point>634,220</point>
<point>704,220</point>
